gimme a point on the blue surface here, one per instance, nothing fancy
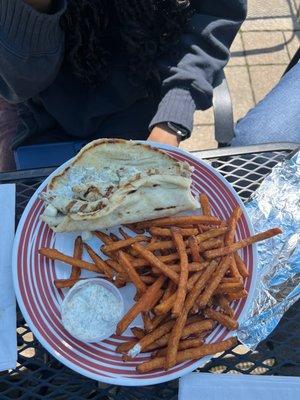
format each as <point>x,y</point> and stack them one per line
<point>46,155</point>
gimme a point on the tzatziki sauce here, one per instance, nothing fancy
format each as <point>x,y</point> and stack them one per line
<point>92,309</point>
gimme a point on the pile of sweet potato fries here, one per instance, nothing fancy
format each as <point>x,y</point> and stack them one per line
<point>186,271</point>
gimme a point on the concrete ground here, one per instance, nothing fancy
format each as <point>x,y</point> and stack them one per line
<point>260,53</point>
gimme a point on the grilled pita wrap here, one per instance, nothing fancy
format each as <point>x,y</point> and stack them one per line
<point>113,182</point>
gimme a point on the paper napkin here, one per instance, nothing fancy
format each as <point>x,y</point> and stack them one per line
<point>198,386</point>
<point>8,339</point>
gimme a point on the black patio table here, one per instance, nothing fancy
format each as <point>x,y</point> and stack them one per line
<point>40,376</point>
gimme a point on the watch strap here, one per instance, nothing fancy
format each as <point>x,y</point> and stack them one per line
<point>180,131</point>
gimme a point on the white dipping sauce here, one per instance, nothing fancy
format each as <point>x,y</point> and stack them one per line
<point>91,312</point>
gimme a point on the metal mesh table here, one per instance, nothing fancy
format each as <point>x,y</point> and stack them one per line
<point>40,376</point>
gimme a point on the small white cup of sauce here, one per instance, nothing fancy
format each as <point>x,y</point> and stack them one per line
<point>92,309</point>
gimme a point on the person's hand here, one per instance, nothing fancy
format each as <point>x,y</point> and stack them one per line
<point>161,134</point>
<point>40,5</point>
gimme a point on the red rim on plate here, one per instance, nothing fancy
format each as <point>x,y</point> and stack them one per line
<point>40,301</point>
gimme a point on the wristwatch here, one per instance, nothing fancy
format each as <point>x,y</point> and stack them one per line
<point>178,130</point>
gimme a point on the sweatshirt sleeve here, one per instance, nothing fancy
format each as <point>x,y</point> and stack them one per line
<point>31,49</point>
<point>202,52</point>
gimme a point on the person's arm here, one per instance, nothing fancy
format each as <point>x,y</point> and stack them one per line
<point>202,52</point>
<point>31,47</point>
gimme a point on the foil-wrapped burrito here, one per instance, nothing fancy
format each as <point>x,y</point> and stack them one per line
<point>275,203</point>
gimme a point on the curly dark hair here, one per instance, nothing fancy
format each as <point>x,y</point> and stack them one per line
<point>146,29</point>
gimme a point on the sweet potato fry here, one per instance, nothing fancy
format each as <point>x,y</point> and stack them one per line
<point>243,243</point>
<point>172,347</point>
<point>194,328</point>
<point>184,272</point>
<point>150,338</point>
<point>241,266</point>
<point>223,303</point>
<point>166,232</point>
<point>116,266</point>
<point>222,319</point>
<point>234,272</point>
<point>143,304</point>
<point>214,282</point>
<point>57,255</point>
<point>155,261</point>
<point>205,206</point>
<point>204,228</point>
<point>229,238</point>
<point>194,318</point>
<point>193,279</point>
<point>160,245</point>
<point>139,333</point>
<point>158,320</point>
<point>170,289</point>
<point>232,280</point>
<point>78,250</point>
<point>102,266</point>
<point>121,244</point>
<point>193,266</point>
<point>173,257</point>
<point>103,237</point>
<point>197,327</point>
<point>198,266</point>
<point>156,299</point>
<point>188,354</point>
<point>165,305</point>
<point>119,282</point>
<point>180,221</point>
<point>193,245</point>
<point>134,229</point>
<point>123,348</point>
<point>237,295</point>
<point>65,283</point>
<point>139,263</point>
<point>224,288</point>
<point>210,244</point>
<point>147,321</point>
<point>200,285</point>
<point>167,292</point>
<point>106,239</point>
<point>210,234</point>
<point>131,272</point>
<point>131,254</point>
<point>232,223</point>
<point>183,344</point>
<point>181,320</point>
<point>75,272</point>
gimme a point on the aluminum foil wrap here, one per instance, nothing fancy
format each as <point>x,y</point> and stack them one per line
<point>275,204</point>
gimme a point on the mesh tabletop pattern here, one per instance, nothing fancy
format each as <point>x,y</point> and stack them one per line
<point>40,376</point>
